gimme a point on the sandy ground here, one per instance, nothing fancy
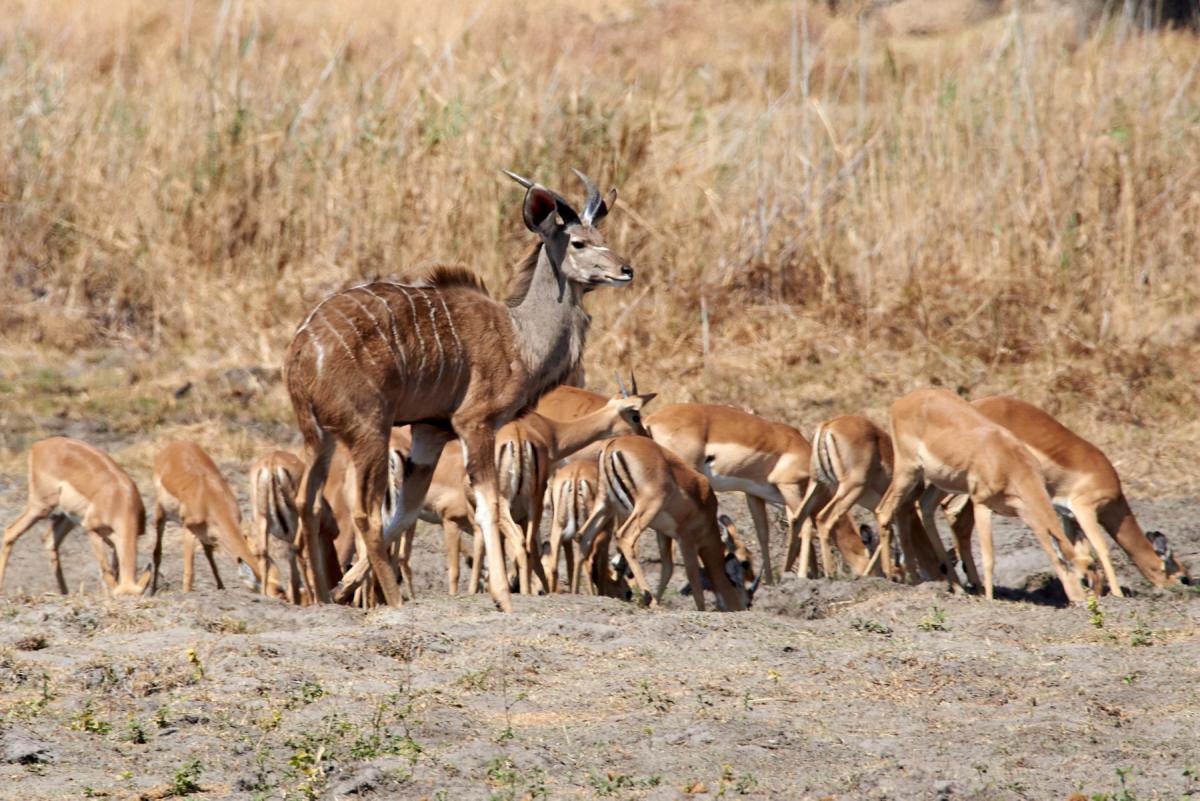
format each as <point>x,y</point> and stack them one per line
<point>826,689</point>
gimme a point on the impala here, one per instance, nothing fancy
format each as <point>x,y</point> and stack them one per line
<point>447,359</point>
<point>741,452</point>
<point>647,486</point>
<point>943,441</point>
<point>75,484</point>
<point>189,488</point>
<point>532,443</point>
<point>852,458</point>
<point>1086,491</point>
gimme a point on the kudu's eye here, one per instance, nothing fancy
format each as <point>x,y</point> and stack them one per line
<point>578,243</point>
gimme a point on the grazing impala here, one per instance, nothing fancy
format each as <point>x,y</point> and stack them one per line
<point>189,488</point>
<point>1086,491</point>
<point>531,444</point>
<point>449,360</point>
<point>852,458</point>
<point>741,452</point>
<point>942,440</point>
<point>74,483</point>
<point>647,486</point>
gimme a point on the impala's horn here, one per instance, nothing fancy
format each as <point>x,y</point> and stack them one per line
<point>621,384</point>
<point>633,381</point>
<point>594,208</point>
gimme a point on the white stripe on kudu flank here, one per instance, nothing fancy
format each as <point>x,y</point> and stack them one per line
<point>436,336</point>
<point>341,339</point>
<point>379,329</point>
<point>461,362</point>
<point>416,326</point>
<point>354,328</point>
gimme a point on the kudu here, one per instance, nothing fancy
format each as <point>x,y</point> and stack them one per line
<point>443,356</point>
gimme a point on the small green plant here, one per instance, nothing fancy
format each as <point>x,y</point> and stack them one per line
<point>1123,793</point>
<point>1142,635</point>
<point>305,693</point>
<point>197,668</point>
<point>136,733</point>
<point>87,721</point>
<point>934,621</point>
<point>186,780</point>
<point>869,626</point>
<point>511,784</point>
<point>162,717</point>
<point>1097,614</point>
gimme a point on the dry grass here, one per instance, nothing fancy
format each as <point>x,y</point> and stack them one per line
<point>1008,207</point>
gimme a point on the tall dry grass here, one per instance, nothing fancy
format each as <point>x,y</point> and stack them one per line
<point>823,214</point>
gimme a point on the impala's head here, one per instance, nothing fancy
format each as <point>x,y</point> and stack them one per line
<point>1173,569</point>
<point>572,240</point>
<point>628,407</point>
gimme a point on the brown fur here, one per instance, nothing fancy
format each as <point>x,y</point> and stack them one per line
<point>188,486</point>
<point>727,443</point>
<point>447,360</point>
<point>945,444</point>
<point>70,477</point>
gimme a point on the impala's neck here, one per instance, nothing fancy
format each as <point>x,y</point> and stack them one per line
<point>550,326</point>
<point>1118,520</point>
<point>567,437</point>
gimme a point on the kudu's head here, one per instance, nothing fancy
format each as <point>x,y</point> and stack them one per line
<point>572,240</point>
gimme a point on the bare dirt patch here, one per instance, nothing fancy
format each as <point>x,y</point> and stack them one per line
<point>827,689</point>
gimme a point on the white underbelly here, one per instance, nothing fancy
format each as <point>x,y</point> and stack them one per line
<point>72,504</point>
<point>759,489</point>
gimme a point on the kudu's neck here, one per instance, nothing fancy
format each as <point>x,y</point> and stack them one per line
<point>550,326</point>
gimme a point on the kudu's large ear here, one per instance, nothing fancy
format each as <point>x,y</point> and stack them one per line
<point>539,210</point>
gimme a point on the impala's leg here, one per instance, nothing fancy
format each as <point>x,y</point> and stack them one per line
<point>264,538</point>
<point>762,527</point>
<point>200,534</point>
<point>189,556</point>
<point>106,558</point>
<point>59,529</point>
<point>370,466</point>
<point>33,515</point>
<point>309,498</point>
<point>453,545</point>
<point>568,553</point>
<point>920,559</point>
<point>800,527</point>
<point>627,537</point>
<point>691,566</point>
<point>160,523</point>
<point>1086,516</point>
<point>930,499</point>
<point>666,550</point>
<point>404,553</point>
<point>843,500</point>
<point>537,507</point>
<point>1069,564</point>
<point>479,443</point>
<point>556,542</point>
<point>477,557</point>
<point>983,523</point>
<point>712,555</point>
<point>961,523</point>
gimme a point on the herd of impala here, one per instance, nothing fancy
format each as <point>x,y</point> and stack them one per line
<point>383,375</point>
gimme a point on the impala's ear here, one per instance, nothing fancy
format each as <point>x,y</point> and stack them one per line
<point>540,205</point>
